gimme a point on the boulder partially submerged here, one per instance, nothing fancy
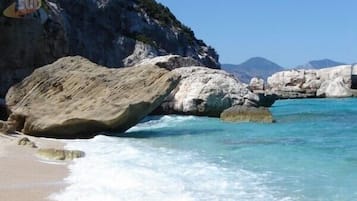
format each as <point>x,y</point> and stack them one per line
<point>247,114</point>
<point>75,98</point>
<point>206,92</point>
<point>59,154</point>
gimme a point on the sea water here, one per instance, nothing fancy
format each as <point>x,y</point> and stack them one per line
<point>309,154</point>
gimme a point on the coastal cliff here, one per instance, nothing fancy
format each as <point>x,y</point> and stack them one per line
<point>111,33</point>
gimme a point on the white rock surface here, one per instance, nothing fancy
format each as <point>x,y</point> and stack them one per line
<point>256,84</point>
<point>204,91</point>
<point>327,82</point>
<point>334,88</point>
<point>170,62</point>
<point>141,51</point>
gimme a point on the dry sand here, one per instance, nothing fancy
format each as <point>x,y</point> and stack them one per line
<point>25,177</point>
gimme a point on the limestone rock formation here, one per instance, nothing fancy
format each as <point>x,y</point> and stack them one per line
<point>327,82</point>
<point>334,88</point>
<point>247,114</point>
<point>75,98</point>
<point>112,33</point>
<point>58,154</point>
<point>170,62</point>
<point>256,84</point>
<point>207,92</point>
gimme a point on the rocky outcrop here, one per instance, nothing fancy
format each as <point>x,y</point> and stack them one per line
<point>112,33</point>
<point>75,98</point>
<point>59,154</point>
<point>256,84</point>
<point>206,92</point>
<point>327,82</point>
<point>247,114</point>
<point>334,88</point>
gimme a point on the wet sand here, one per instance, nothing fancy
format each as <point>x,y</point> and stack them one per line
<point>24,176</point>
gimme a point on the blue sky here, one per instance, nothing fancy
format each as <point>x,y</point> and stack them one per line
<point>288,32</point>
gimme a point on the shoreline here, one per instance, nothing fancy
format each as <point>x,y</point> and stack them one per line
<point>24,176</point>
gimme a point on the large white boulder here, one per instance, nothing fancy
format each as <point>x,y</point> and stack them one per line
<point>205,91</point>
<point>327,82</point>
<point>334,88</point>
<point>257,84</point>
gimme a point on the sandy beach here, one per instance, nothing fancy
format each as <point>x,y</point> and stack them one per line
<point>23,175</point>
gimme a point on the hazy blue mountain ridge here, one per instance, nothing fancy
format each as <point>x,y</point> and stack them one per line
<point>253,67</point>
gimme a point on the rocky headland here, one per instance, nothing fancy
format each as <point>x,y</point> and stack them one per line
<point>108,32</point>
<point>76,98</point>
<point>327,82</point>
<point>58,99</point>
<point>78,68</point>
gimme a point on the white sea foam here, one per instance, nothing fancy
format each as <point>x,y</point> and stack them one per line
<point>116,169</point>
<point>161,122</point>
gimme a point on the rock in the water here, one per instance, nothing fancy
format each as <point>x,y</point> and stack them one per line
<point>327,82</point>
<point>26,142</point>
<point>58,154</point>
<point>75,98</point>
<point>247,114</point>
<point>205,92</point>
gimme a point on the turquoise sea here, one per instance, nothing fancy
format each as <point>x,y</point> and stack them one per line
<point>309,154</point>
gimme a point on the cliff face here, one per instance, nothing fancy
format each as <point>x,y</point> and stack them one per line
<point>112,33</point>
<point>26,44</point>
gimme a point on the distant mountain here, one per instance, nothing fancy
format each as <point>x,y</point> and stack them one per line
<point>253,67</point>
<point>318,64</point>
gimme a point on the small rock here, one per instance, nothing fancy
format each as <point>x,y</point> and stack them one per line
<point>26,142</point>
<point>59,154</point>
<point>247,114</point>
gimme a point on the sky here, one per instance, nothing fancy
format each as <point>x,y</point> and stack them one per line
<point>288,32</point>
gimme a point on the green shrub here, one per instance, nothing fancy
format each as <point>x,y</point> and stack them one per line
<point>165,17</point>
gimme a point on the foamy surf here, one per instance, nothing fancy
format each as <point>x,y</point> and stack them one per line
<point>128,169</point>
